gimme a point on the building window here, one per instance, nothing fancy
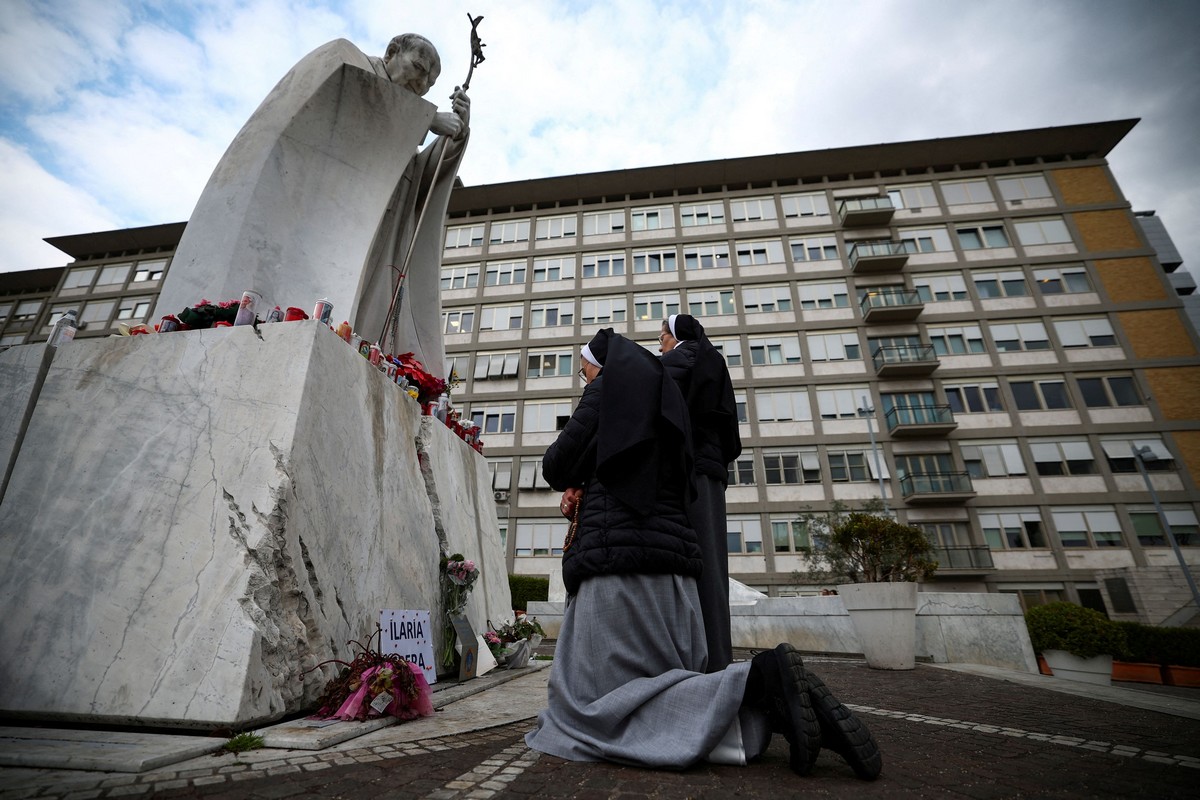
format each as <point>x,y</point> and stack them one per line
<point>741,470</point>
<point>655,306</point>
<point>848,466</point>
<point>840,403</point>
<point>58,312</point>
<point>1062,280</point>
<point>501,469</point>
<point>603,265</point>
<point>1042,231</point>
<point>1148,528</point>
<point>5,311</point>
<point>466,277</point>
<point>79,278</point>
<point>1087,527</point>
<point>706,256</point>
<point>510,232</point>
<point>946,534</point>
<point>150,270</point>
<point>744,534</point>
<point>464,236</point>
<point>1119,454</point>
<point>752,209</point>
<point>114,275</point>
<point>545,416</point>
<point>495,419</point>
<point>549,315</point>
<point>790,536</point>
<point>925,240</point>
<point>506,273</point>
<point>782,405</point>
<point>940,288</point>
<point>1062,457</point>
<point>751,254</point>
<point>710,304</point>
<point>764,299</point>
<point>555,227</point>
<point>27,310</point>
<point>1023,187</point>
<point>540,538</point>
<point>957,341</point>
<point>496,366</point>
<point>993,459</point>
<point>780,349</point>
<point>730,349</point>
<point>982,236</point>
<point>961,193</point>
<point>602,310</point>
<point>824,295</point>
<point>1040,395</point>
<point>836,346</point>
<point>1093,332</point>
<point>1109,391</point>
<point>652,219</point>
<point>1000,284</point>
<point>549,364</point>
<point>791,467</point>
<point>553,269</point>
<point>814,248</point>
<point>458,368</point>
<point>501,318</point>
<point>812,204</point>
<point>697,214</point>
<point>1012,529</point>
<point>915,197</point>
<point>649,261</point>
<point>974,398</point>
<point>530,475</point>
<point>458,321</point>
<point>603,222</point>
<point>97,312</point>
<point>739,401</point>
<point>1011,338</point>
<point>134,308</point>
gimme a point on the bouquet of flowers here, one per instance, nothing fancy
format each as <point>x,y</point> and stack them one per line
<point>206,313</point>
<point>372,685</point>
<point>458,576</point>
<point>495,645</point>
<point>429,387</point>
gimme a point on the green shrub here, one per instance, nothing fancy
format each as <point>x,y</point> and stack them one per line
<point>525,588</point>
<point>1080,631</point>
<point>1153,644</point>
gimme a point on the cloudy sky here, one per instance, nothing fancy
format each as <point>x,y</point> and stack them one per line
<point>114,113</point>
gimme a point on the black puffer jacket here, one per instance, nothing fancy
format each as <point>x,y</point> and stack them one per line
<point>716,440</point>
<point>613,539</point>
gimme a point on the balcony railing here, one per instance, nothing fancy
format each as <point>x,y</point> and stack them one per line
<point>936,487</point>
<point>877,256</point>
<point>866,210</point>
<point>890,304</point>
<point>920,420</point>
<point>963,558</point>
<point>905,360</point>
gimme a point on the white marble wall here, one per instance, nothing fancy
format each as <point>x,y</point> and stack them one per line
<point>194,518</point>
<point>21,371</point>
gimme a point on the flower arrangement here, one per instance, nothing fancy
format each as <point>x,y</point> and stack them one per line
<point>429,387</point>
<point>206,313</point>
<point>523,627</point>
<point>494,644</point>
<point>374,684</point>
<point>458,576</point>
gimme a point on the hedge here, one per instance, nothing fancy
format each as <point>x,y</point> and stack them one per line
<point>525,588</point>
<point>1152,644</point>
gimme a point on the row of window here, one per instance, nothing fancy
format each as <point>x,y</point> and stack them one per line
<point>113,277</point>
<point>958,196</point>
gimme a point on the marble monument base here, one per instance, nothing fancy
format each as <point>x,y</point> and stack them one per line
<point>194,519</point>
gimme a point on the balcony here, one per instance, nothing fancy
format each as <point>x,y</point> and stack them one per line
<point>920,421</point>
<point>890,304</point>
<point>936,487</point>
<point>877,256</point>
<point>905,361</point>
<point>866,211</point>
<point>963,559</point>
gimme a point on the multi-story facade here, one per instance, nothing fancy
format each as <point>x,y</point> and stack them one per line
<point>977,328</point>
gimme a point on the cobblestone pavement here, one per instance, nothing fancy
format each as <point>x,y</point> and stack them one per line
<point>943,734</point>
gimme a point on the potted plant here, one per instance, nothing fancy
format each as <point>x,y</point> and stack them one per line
<point>883,559</point>
<point>1078,643</point>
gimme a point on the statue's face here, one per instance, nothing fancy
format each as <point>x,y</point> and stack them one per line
<point>415,68</point>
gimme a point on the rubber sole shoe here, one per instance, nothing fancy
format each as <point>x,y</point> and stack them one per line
<point>844,733</point>
<point>790,709</point>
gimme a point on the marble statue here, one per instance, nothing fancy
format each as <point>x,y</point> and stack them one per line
<point>324,194</point>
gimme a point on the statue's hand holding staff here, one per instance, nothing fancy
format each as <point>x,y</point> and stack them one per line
<point>453,123</point>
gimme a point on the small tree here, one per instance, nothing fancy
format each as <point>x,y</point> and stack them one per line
<point>867,547</point>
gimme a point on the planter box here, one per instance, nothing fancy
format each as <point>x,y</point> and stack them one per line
<point>1043,667</point>
<point>1136,672</point>
<point>884,616</point>
<point>1096,670</point>
<point>1181,676</point>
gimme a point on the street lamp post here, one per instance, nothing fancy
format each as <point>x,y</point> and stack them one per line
<point>868,411</point>
<point>1141,455</point>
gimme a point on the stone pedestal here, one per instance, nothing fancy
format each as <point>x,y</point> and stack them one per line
<point>195,518</point>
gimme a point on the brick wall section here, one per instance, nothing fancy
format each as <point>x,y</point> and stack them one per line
<point>1157,333</point>
<point>1083,185</point>
<point>1177,391</point>
<point>1128,280</point>
<point>1104,231</point>
<point>1188,445</point>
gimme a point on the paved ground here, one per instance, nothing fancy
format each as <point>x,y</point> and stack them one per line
<point>943,733</point>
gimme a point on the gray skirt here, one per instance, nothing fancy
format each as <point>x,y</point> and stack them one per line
<point>628,682</point>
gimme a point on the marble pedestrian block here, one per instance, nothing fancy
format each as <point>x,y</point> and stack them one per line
<point>195,518</point>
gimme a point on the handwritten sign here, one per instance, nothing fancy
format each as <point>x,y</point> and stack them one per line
<point>407,634</point>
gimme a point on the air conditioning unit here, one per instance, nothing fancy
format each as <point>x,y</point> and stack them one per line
<point>501,495</point>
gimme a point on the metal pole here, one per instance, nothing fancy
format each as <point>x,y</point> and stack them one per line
<point>1138,454</point>
<point>869,412</point>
